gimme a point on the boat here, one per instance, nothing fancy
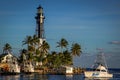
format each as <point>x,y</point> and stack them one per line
<point>99,71</point>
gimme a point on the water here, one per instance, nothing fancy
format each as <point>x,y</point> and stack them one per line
<point>35,76</point>
<point>52,77</point>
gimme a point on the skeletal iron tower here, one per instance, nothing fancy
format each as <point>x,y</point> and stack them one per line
<point>40,23</point>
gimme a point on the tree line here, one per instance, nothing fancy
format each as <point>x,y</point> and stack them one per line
<point>39,52</point>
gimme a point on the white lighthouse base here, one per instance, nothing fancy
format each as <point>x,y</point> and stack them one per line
<point>41,40</point>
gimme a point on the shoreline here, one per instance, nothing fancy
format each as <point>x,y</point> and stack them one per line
<point>42,72</point>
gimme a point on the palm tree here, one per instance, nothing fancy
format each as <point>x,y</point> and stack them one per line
<point>57,61</point>
<point>54,53</point>
<point>67,59</point>
<point>35,40</point>
<point>44,48</point>
<point>23,55</point>
<point>7,48</point>
<point>62,44</point>
<point>28,41</point>
<point>50,59</point>
<point>76,49</point>
<point>31,44</point>
<point>36,43</point>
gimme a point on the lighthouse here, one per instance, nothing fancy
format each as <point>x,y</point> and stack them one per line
<point>40,24</point>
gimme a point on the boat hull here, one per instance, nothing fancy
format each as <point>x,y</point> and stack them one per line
<point>94,74</point>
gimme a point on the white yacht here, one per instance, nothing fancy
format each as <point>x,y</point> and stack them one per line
<point>100,71</point>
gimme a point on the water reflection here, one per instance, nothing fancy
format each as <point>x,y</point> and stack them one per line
<point>56,77</point>
<point>36,76</point>
<point>10,77</point>
<point>33,77</point>
<point>97,78</point>
<point>24,77</point>
<point>69,77</point>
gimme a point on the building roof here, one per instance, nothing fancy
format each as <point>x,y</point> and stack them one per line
<point>5,54</point>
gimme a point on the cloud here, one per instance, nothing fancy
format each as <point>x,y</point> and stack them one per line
<point>115,42</point>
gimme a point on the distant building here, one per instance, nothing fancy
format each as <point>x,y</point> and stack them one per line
<point>69,70</point>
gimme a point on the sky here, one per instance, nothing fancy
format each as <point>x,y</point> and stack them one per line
<point>94,24</point>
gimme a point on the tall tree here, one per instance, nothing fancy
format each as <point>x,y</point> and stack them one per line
<point>35,41</point>
<point>67,60</point>
<point>51,58</point>
<point>23,55</point>
<point>76,49</point>
<point>63,43</point>
<point>31,42</point>
<point>44,48</point>
<point>28,40</point>
<point>7,48</point>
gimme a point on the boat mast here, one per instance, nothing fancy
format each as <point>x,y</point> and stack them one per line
<point>100,60</point>
<point>104,60</point>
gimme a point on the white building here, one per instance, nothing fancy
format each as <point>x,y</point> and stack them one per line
<point>10,62</point>
<point>68,69</point>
